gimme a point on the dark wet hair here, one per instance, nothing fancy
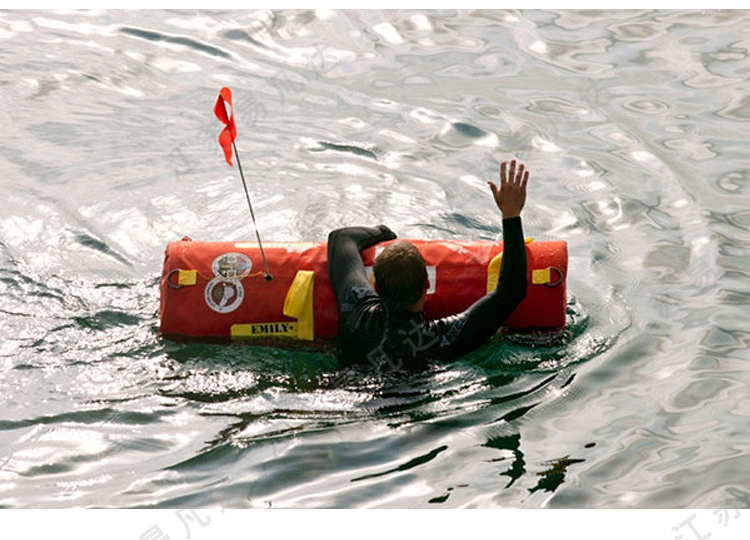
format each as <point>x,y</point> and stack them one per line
<point>400,274</point>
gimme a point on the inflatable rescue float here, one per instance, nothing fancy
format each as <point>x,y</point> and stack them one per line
<point>217,291</point>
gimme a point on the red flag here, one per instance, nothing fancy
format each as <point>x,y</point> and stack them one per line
<point>229,133</point>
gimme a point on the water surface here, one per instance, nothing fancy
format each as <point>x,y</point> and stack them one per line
<point>634,125</point>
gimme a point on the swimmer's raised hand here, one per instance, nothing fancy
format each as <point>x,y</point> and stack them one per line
<point>510,197</point>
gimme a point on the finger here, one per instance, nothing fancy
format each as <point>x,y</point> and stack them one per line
<point>512,172</point>
<point>503,170</point>
<point>525,180</point>
<point>494,189</point>
<point>519,174</point>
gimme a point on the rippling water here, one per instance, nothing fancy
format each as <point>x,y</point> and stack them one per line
<point>634,125</point>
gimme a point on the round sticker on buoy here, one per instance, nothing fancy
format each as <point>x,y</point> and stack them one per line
<point>232,266</point>
<point>224,295</point>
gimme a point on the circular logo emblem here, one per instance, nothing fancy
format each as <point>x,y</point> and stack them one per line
<point>224,295</point>
<point>232,266</point>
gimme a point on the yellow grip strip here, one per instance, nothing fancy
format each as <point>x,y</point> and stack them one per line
<point>299,304</point>
<point>187,277</point>
<point>541,277</point>
<point>493,270</point>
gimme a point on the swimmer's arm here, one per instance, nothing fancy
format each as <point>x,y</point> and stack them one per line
<point>472,328</point>
<point>345,267</point>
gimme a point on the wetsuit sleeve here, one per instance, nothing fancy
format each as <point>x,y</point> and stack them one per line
<point>346,271</point>
<point>466,331</point>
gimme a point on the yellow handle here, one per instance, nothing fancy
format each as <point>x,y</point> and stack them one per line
<point>187,277</point>
<point>299,304</point>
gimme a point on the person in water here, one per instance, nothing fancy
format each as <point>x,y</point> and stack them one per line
<point>387,324</point>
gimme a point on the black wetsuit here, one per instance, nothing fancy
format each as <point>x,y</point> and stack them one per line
<point>369,330</point>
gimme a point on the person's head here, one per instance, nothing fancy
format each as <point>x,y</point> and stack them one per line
<point>401,276</point>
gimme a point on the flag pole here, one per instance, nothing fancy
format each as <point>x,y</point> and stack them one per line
<point>267,274</point>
